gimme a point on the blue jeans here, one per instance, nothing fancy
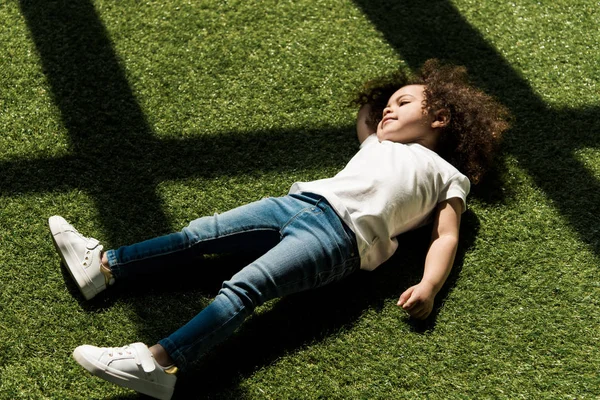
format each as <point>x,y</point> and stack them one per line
<point>307,245</point>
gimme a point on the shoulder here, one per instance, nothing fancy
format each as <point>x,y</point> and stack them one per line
<point>371,139</point>
<point>449,181</point>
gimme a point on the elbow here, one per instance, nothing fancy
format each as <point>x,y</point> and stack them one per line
<point>448,239</point>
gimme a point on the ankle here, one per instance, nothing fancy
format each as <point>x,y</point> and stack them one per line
<point>105,269</point>
<point>161,356</point>
<point>104,260</point>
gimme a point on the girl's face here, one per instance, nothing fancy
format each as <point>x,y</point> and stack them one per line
<point>405,120</point>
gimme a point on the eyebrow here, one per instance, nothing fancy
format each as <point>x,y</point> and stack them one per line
<point>400,97</point>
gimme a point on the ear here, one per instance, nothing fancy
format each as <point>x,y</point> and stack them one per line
<point>442,118</point>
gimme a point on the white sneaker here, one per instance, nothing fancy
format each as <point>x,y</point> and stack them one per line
<point>131,366</point>
<point>81,256</point>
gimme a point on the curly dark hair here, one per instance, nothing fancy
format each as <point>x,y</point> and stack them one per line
<point>477,120</point>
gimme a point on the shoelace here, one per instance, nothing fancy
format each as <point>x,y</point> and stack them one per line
<point>120,351</point>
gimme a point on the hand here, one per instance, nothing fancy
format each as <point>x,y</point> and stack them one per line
<point>417,300</point>
<point>364,125</point>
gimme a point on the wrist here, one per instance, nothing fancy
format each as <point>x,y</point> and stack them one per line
<point>434,287</point>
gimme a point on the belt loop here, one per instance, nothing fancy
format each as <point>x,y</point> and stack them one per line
<point>322,203</point>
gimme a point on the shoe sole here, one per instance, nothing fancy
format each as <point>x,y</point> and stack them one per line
<point>84,283</point>
<point>116,376</point>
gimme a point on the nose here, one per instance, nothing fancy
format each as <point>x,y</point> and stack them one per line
<point>386,111</point>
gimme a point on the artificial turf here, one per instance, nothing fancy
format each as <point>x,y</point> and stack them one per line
<point>131,118</point>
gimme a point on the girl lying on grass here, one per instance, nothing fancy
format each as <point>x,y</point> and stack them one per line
<point>422,139</point>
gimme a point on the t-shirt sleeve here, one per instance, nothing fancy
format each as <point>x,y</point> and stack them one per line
<point>458,186</point>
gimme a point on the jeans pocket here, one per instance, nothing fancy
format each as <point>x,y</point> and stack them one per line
<point>339,271</point>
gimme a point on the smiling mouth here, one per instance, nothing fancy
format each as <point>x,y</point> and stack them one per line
<point>386,120</point>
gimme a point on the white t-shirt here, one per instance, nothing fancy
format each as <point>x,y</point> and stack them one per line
<point>387,189</point>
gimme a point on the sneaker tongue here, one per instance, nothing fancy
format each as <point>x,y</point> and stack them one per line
<point>143,357</point>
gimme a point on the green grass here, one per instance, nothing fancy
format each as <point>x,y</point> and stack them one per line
<point>131,118</point>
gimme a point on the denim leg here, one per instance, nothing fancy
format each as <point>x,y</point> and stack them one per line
<point>253,227</point>
<point>316,248</point>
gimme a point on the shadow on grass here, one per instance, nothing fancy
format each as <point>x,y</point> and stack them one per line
<point>288,324</point>
<point>543,140</point>
<point>113,154</point>
<point>115,157</point>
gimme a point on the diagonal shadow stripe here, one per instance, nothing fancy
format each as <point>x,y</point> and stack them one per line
<point>88,84</point>
<point>540,132</point>
<point>105,123</point>
<point>113,148</point>
<point>187,158</point>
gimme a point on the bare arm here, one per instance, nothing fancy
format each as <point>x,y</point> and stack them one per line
<point>363,128</point>
<point>418,300</point>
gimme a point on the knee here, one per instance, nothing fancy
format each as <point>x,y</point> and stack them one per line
<point>242,294</point>
<point>195,226</point>
<point>200,228</point>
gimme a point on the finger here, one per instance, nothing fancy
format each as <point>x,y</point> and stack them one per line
<point>405,296</point>
<point>412,303</point>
